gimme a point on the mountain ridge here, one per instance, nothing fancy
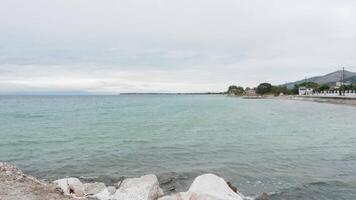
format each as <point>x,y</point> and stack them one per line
<point>329,79</point>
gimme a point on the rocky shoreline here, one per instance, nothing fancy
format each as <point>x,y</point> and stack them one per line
<point>14,185</point>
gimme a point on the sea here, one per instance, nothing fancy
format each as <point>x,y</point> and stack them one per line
<point>287,149</point>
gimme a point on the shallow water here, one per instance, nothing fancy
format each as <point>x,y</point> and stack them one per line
<point>290,149</point>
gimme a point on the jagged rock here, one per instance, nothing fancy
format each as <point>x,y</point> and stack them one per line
<point>14,185</point>
<point>103,195</point>
<point>70,186</point>
<point>232,187</point>
<point>207,187</point>
<point>143,188</point>
<point>93,188</point>
<point>111,190</point>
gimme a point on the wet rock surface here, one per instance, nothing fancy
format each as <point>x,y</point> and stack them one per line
<point>143,188</point>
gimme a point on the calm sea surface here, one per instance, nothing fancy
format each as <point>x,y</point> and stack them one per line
<point>290,149</point>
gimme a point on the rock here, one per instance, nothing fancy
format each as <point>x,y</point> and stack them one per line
<point>93,188</point>
<point>232,187</point>
<point>111,190</point>
<point>8,173</point>
<point>103,195</point>
<point>143,188</point>
<point>263,196</point>
<point>70,186</point>
<point>14,185</point>
<point>2,166</point>
<point>207,187</point>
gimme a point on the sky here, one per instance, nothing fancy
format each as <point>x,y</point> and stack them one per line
<point>116,46</point>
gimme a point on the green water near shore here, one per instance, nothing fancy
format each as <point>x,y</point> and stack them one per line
<point>291,149</point>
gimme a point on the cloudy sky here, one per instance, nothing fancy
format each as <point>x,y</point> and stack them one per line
<point>111,46</point>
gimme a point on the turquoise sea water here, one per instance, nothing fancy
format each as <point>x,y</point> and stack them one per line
<point>290,149</point>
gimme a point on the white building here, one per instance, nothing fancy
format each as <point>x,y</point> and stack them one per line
<point>305,91</point>
<point>339,84</point>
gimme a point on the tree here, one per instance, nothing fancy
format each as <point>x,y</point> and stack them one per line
<point>309,85</point>
<point>324,87</point>
<point>277,90</point>
<point>235,90</point>
<point>295,90</point>
<point>264,88</point>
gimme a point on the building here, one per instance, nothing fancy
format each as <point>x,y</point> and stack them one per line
<point>305,91</point>
<point>339,84</point>
<point>250,92</point>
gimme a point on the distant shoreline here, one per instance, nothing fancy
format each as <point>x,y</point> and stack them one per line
<point>177,93</point>
<point>319,99</point>
<point>118,94</point>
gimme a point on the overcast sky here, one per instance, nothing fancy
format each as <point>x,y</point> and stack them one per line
<point>111,46</point>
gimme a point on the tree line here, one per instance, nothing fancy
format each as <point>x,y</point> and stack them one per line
<point>269,89</point>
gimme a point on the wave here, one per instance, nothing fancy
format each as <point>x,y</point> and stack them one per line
<point>27,116</point>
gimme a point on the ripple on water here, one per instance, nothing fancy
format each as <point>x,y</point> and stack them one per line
<point>261,146</point>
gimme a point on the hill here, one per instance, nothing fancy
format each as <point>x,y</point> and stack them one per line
<point>329,79</point>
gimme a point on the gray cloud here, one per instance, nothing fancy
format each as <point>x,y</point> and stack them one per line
<point>170,45</point>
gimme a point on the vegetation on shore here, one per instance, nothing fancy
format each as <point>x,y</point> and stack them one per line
<point>276,90</point>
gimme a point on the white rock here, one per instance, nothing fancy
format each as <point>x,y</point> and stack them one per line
<point>207,187</point>
<point>93,188</point>
<point>70,186</point>
<point>104,195</point>
<point>143,188</point>
<point>111,190</point>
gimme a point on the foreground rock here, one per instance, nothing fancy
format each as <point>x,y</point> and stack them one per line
<point>207,187</point>
<point>15,185</point>
<point>93,188</point>
<point>143,188</point>
<point>70,186</point>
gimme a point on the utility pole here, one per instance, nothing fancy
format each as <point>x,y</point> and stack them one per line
<point>342,87</point>
<point>343,79</point>
<point>343,76</point>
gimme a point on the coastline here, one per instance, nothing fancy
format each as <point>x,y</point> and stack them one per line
<point>14,185</point>
<point>319,99</point>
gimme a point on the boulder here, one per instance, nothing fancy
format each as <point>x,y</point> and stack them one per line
<point>103,195</point>
<point>70,186</point>
<point>93,188</point>
<point>207,187</point>
<point>111,190</point>
<point>143,188</point>
<point>232,187</point>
